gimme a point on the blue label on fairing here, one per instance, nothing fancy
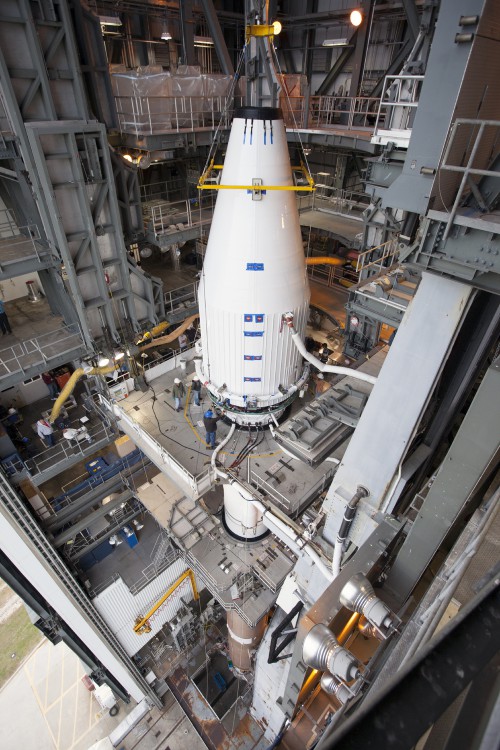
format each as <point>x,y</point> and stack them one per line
<point>255,266</point>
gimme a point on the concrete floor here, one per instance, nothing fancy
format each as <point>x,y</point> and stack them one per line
<point>46,706</point>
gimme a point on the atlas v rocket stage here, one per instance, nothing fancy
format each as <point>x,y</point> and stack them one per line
<point>254,272</point>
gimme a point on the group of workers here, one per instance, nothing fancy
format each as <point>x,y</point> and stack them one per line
<point>209,418</point>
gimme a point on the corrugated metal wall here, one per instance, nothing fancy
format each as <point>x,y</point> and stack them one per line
<point>120,608</point>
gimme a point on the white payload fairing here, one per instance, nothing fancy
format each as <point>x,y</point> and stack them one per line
<point>254,272</point>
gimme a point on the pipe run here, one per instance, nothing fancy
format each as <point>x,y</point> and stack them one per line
<point>345,526</point>
<point>218,472</point>
<point>283,531</point>
<point>337,370</point>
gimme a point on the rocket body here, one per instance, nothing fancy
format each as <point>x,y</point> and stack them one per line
<point>254,272</point>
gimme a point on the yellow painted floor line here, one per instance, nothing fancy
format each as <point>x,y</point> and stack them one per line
<point>47,671</point>
<point>40,706</point>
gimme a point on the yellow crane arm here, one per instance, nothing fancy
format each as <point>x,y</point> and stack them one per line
<point>142,625</point>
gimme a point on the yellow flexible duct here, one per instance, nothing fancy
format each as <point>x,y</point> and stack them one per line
<point>75,377</point>
<point>325,260</point>
<point>171,336</point>
<point>70,385</point>
<point>153,332</point>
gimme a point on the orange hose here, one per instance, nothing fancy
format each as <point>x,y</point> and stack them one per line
<point>325,260</point>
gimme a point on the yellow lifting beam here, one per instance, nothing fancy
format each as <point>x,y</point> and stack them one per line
<point>262,30</point>
<point>203,185</point>
<point>142,625</point>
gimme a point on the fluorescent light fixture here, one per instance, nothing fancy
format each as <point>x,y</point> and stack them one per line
<point>203,41</point>
<point>110,20</point>
<point>166,36</point>
<point>335,43</point>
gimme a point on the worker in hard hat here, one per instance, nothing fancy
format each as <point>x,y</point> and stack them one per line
<point>178,392</point>
<point>196,388</point>
<point>210,421</point>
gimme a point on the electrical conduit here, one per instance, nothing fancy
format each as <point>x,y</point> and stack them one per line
<point>349,513</point>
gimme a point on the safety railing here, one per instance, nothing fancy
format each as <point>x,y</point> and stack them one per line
<point>333,276</point>
<point>149,115</point>
<point>163,218</point>
<point>158,453</point>
<point>163,191</point>
<point>379,257</point>
<point>19,235</point>
<point>183,296</point>
<point>479,135</point>
<point>39,350</point>
<point>342,202</point>
<point>350,112</point>
<point>5,122</point>
<point>397,109</point>
<point>68,450</point>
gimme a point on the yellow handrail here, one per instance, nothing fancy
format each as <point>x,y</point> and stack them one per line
<point>142,625</point>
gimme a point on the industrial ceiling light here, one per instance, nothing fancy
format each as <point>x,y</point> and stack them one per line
<point>118,355</point>
<point>203,41</point>
<point>166,36</point>
<point>356,17</point>
<point>110,20</point>
<point>103,361</point>
<point>128,157</point>
<point>335,43</point>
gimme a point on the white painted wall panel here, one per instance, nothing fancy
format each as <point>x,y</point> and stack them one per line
<point>120,608</point>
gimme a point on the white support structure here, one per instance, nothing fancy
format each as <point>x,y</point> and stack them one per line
<point>396,405</point>
<point>31,564</point>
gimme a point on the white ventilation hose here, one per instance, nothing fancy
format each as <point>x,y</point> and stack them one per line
<point>328,368</point>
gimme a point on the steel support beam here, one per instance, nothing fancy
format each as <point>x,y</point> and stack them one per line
<point>187,32</point>
<point>412,17</point>
<point>94,64</point>
<point>338,66</point>
<point>362,39</point>
<point>218,37</point>
<point>31,554</point>
<point>468,464</point>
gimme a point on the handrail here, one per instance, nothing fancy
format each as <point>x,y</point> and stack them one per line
<point>142,625</point>
<point>191,480</point>
<point>389,249</point>
<point>35,348</point>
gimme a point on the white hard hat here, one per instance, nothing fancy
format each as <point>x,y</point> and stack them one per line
<point>195,377</point>
<point>176,380</point>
